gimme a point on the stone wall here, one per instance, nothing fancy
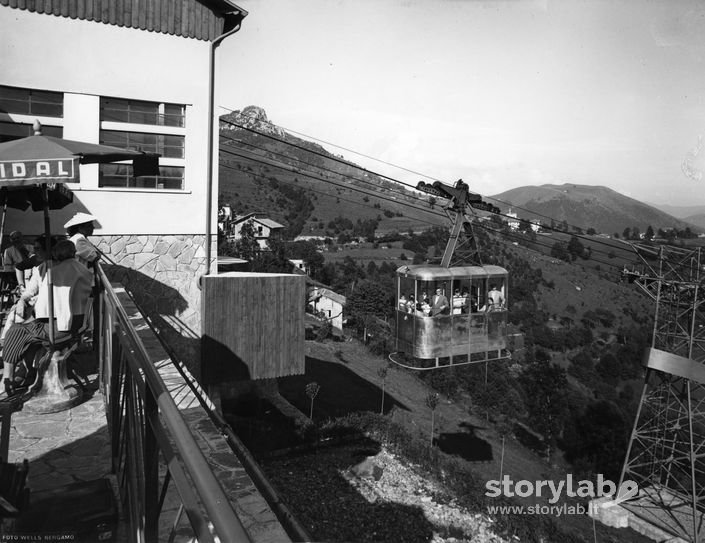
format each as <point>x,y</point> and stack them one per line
<point>161,273</point>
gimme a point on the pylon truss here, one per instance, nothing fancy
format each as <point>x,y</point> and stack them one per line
<point>666,452</point>
<point>462,246</point>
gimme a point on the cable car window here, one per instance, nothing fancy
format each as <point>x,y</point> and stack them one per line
<point>407,291</point>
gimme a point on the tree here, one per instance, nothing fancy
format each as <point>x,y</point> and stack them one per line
<point>546,390</point>
<point>246,246</point>
<point>627,234</point>
<point>649,235</point>
<point>575,248</point>
<point>382,372</point>
<point>559,251</point>
<point>432,403</point>
<point>312,390</point>
<point>596,438</point>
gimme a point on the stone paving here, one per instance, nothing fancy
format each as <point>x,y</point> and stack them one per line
<point>74,445</point>
<point>65,447</point>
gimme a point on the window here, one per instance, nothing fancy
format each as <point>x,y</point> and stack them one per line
<point>31,102</point>
<point>153,127</point>
<point>13,131</point>
<point>120,175</point>
<point>139,112</point>
<point>165,145</point>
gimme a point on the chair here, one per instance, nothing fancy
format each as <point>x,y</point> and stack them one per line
<point>51,391</point>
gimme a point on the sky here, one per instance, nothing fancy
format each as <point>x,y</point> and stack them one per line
<point>502,94</point>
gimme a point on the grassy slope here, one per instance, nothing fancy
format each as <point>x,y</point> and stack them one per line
<point>408,393</point>
<point>247,189</point>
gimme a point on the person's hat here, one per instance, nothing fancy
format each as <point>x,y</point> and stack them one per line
<point>15,235</point>
<point>79,218</point>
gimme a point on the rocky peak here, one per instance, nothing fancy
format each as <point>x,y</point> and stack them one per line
<point>252,117</point>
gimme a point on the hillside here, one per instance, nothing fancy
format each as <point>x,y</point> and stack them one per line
<point>680,212</point>
<point>586,206</point>
<point>302,185</point>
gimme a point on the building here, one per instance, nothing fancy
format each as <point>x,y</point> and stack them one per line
<point>225,215</point>
<point>138,78</point>
<point>513,220</point>
<point>327,304</point>
<point>299,265</point>
<point>264,229</point>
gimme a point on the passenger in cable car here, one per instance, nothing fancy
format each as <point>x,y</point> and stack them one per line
<point>439,305</point>
<point>402,303</point>
<point>469,302</point>
<point>458,302</point>
<point>495,298</point>
<point>411,304</point>
<point>425,308</point>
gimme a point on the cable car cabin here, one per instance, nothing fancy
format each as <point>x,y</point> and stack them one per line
<point>450,316</point>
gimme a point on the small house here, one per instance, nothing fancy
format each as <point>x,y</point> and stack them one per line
<point>264,229</point>
<point>328,305</point>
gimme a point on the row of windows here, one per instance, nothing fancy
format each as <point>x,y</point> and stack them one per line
<point>20,101</point>
<point>31,102</point>
<point>140,112</point>
<point>12,131</point>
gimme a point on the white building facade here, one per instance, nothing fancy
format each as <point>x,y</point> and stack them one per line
<point>137,79</point>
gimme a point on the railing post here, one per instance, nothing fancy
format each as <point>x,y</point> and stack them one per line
<point>151,469</point>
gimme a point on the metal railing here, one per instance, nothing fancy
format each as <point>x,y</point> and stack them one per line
<point>145,424</point>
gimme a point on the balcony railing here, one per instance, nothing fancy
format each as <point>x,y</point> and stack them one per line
<point>146,426</point>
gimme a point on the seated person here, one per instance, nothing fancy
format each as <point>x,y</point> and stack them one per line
<point>15,254</point>
<point>72,288</point>
<point>38,270</point>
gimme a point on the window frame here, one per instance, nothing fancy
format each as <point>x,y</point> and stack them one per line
<point>158,130</point>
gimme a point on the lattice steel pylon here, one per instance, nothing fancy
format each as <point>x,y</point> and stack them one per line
<point>666,452</point>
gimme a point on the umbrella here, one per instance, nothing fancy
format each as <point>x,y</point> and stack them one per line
<point>22,197</point>
<point>36,164</point>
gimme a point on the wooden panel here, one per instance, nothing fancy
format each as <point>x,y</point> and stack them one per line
<point>253,326</point>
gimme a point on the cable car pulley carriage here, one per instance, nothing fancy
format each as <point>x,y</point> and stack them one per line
<point>457,314</point>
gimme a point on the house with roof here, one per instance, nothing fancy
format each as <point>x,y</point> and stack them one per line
<point>134,75</point>
<point>264,228</point>
<point>327,304</point>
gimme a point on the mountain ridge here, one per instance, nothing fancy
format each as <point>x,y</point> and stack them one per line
<point>265,169</point>
<point>587,206</point>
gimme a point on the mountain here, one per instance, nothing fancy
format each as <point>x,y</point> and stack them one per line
<point>586,206</point>
<point>690,214</point>
<point>300,184</point>
<point>681,212</point>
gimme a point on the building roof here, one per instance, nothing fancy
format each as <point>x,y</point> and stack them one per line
<point>270,223</point>
<point>262,220</point>
<point>316,292</point>
<point>199,19</point>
